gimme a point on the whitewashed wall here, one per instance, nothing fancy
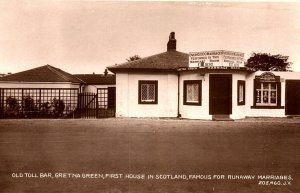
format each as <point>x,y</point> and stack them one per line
<point>268,112</point>
<point>202,112</point>
<point>238,111</point>
<point>191,111</point>
<point>37,85</point>
<point>127,95</point>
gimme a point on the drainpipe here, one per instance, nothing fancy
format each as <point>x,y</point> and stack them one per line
<point>80,88</point>
<point>178,95</point>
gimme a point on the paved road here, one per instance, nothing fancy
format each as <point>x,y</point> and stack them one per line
<point>122,155</point>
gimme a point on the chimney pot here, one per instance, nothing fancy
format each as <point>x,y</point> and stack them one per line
<point>172,42</point>
<point>105,72</point>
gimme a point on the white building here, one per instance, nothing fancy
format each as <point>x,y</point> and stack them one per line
<point>202,85</point>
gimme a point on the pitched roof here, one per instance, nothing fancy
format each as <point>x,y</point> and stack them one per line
<point>170,60</point>
<point>45,73</point>
<point>97,79</point>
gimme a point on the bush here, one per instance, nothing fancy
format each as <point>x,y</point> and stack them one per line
<point>45,109</point>
<point>12,106</point>
<point>59,107</point>
<point>28,104</point>
<point>29,107</point>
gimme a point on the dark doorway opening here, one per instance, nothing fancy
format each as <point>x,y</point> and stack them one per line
<point>292,97</point>
<point>220,94</point>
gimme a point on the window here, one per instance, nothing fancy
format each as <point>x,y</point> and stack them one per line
<point>266,94</point>
<point>267,91</point>
<point>147,92</point>
<point>241,92</point>
<point>192,92</point>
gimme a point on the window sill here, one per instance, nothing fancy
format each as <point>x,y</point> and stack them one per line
<point>267,107</point>
<point>192,104</point>
<point>147,103</point>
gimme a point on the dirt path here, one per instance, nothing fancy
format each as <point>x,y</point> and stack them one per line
<point>170,148</point>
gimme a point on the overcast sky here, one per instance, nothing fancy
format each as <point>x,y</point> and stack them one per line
<point>87,36</point>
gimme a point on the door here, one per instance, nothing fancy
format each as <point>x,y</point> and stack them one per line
<point>292,97</point>
<point>111,98</point>
<point>106,102</point>
<point>220,94</point>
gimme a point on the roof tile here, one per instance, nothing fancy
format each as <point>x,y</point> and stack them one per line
<point>97,79</point>
<point>170,60</point>
<point>45,73</point>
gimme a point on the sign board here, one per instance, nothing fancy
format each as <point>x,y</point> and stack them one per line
<point>268,77</point>
<point>216,58</point>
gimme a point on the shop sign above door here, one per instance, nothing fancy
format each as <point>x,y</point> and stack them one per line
<point>216,58</point>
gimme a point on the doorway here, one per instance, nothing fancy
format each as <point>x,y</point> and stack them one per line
<point>292,96</point>
<point>220,94</point>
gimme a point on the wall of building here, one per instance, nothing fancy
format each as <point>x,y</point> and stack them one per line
<point>93,88</point>
<point>251,112</point>
<point>37,85</point>
<point>238,111</point>
<point>191,111</point>
<point>127,95</point>
<point>122,93</point>
<point>202,112</point>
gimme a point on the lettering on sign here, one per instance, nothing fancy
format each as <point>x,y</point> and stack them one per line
<point>211,67</point>
<point>216,58</point>
<point>268,77</point>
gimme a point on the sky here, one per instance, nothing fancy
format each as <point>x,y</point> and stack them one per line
<point>83,37</point>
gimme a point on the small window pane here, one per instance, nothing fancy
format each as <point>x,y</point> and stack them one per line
<point>273,97</point>
<point>265,97</point>
<point>147,92</point>
<point>144,92</point>
<point>266,94</point>
<point>273,86</point>
<point>151,92</point>
<point>258,96</point>
<point>192,93</point>
<point>241,93</point>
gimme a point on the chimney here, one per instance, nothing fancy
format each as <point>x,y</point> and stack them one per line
<point>172,42</point>
<point>105,72</point>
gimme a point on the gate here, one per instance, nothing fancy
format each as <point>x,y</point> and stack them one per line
<point>87,105</point>
<point>97,105</point>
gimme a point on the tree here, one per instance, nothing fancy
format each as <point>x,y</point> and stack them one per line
<point>268,62</point>
<point>132,58</point>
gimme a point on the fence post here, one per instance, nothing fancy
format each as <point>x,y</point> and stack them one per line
<point>40,101</point>
<point>22,103</point>
<point>97,105</point>
<point>1,104</point>
<point>78,104</point>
